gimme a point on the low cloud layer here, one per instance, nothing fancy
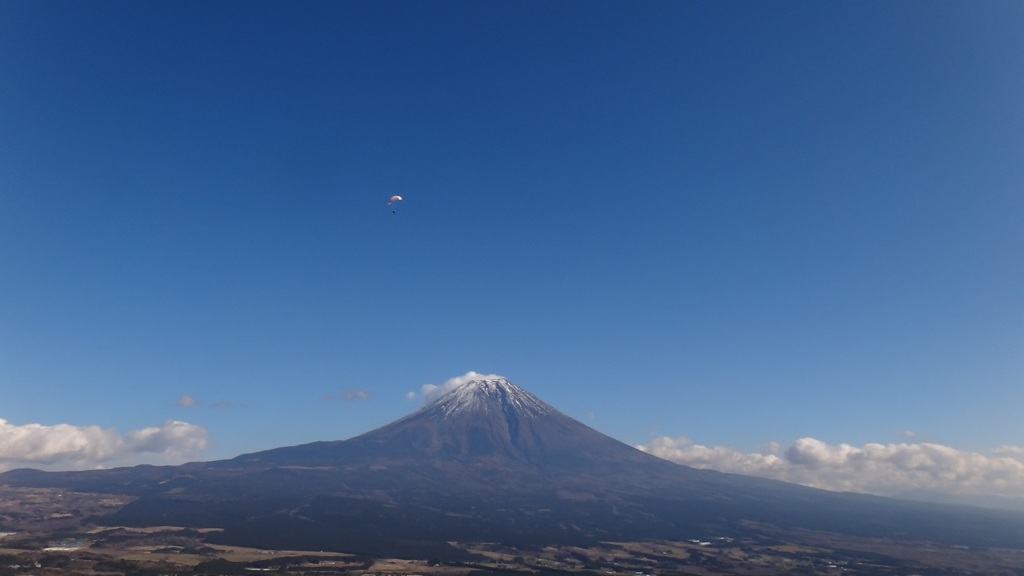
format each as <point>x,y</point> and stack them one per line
<point>431,392</point>
<point>67,447</point>
<point>905,469</point>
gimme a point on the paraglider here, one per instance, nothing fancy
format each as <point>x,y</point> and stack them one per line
<point>394,200</point>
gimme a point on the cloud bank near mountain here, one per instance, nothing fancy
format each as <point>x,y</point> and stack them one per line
<point>431,392</point>
<point>924,470</point>
<point>68,447</point>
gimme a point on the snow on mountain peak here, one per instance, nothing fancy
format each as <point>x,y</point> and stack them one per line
<point>488,394</point>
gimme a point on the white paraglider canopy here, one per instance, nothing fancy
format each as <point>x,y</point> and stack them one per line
<point>394,200</point>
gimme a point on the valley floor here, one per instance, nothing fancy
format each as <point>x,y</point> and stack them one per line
<point>47,532</point>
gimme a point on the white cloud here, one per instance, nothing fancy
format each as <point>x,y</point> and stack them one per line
<point>684,451</point>
<point>67,447</point>
<point>173,440</point>
<point>431,392</point>
<point>884,469</point>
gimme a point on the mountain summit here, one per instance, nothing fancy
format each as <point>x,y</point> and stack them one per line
<point>488,396</point>
<point>496,421</point>
<point>490,462</point>
<point>479,419</point>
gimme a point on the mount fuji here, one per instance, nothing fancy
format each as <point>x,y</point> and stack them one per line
<point>490,462</point>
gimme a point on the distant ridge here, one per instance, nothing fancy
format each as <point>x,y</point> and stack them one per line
<point>491,462</point>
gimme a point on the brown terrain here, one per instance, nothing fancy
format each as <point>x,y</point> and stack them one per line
<point>50,531</point>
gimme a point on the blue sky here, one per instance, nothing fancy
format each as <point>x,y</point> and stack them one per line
<point>720,224</point>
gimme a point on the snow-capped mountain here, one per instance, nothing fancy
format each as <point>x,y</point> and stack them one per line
<point>498,422</point>
<point>487,396</point>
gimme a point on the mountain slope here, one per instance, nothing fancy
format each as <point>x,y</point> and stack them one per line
<point>483,423</point>
<point>491,462</point>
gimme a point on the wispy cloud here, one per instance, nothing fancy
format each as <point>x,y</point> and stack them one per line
<point>349,396</point>
<point>67,447</point>
<point>431,392</point>
<point>186,401</point>
<point>883,469</point>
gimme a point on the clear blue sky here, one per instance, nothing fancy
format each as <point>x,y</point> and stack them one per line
<point>738,222</point>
